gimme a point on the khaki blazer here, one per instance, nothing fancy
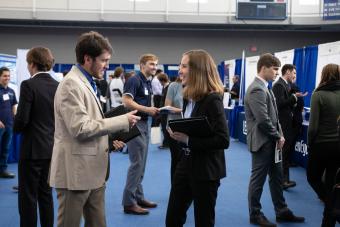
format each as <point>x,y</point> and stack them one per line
<point>80,151</point>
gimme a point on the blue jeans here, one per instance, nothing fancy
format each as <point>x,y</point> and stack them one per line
<point>5,141</point>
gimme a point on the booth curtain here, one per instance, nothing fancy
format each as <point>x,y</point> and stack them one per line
<point>308,78</point>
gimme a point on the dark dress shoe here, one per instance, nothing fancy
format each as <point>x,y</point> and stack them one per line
<point>262,221</point>
<point>288,184</point>
<point>288,216</point>
<point>6,174</point>
<point>163,147</point>
<point>135,209</point>
<point>147,204</point>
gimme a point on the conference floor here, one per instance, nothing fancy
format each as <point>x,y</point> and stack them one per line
<point>231,208</point>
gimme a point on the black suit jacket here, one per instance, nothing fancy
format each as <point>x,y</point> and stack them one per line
<point>298,108</point>
<point>285,101</point>
<point>206,160</point>
<point>35,117</point>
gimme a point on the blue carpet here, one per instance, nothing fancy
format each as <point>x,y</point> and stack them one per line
<point>231,208</point>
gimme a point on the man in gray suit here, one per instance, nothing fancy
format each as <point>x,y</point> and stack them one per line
<point>264,138</point>
<point>79,166</point>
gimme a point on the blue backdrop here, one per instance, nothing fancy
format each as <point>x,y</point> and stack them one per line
<point>308,78</point>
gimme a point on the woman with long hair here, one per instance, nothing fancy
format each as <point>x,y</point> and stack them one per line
<point>323,139</point>
<point>202,164</point>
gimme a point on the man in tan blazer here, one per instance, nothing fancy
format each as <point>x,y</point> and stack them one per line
<point>79,166</point>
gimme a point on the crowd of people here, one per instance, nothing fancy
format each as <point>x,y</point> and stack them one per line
<point>65,146</point>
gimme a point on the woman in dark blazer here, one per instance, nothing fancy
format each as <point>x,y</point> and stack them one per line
<point>202,165</point>
<point>323,138</point>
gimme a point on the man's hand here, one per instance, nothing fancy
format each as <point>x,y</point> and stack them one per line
<point>118,145</point>
<point>2,125</point>
<point>152,111</point>
<point>300,94</point>
<point>280,143</point>
<point>132,117</point>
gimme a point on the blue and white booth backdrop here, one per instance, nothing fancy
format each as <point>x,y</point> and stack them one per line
<point>9,61</point>
<point>22,71</point>
<point>251,70</point>
<point>285,57</point>
<point>328,53</point>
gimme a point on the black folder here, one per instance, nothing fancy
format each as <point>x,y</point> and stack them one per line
<point>194,126</point>
<point>121,136</point>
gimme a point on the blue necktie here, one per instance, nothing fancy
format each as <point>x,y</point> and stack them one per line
<point>94,86</point>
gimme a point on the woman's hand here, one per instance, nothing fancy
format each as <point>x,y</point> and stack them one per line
<point>178,136</point>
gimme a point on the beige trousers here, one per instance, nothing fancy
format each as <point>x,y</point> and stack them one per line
<point>87,203</point>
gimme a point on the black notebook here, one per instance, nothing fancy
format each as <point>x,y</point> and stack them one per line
<point>194,126</point>
<point>121,136</point>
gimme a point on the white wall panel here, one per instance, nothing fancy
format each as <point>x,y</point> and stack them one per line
<point>301,8</point>
<point>183,6</point>
<point>218,6</point>
<point>119,5</point>
<point>152,5</point>
<point>16,3</point>
<point>51,4</point>
<point>90,5</point>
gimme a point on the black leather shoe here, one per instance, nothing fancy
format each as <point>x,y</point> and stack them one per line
<point>288,184</point>
<point>6,174</point>
<point>262,221</point>
<point>288,216</point>
<point>147,204</point>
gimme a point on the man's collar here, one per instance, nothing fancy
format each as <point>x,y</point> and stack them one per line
<point>37,74</point>
<point>86,74</point>
<point>144,78</point>
<point>284,80</point>
<point>263,80</point>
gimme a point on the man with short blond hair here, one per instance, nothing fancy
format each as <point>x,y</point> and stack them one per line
<point>137,96</point>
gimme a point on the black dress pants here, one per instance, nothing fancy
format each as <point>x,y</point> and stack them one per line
<point>176,155</point>
<point>184,191</point>
<point>324,158</point>
<point>34,193</point>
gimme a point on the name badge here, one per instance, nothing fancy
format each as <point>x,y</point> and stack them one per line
<point>146,92</point>
<point>5,97</point>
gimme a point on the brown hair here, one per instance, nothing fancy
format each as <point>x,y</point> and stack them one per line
<point>329,73</point>
<point>41,57</point>
<point>163,77</point>
<point>128,75</point>
<point>203,76</point>
<point>287,67</point>
<point>268,60</point>
<point>118,71</point>
<point>147,57</point>
<point>4,69</point>
<point>92,44</point>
